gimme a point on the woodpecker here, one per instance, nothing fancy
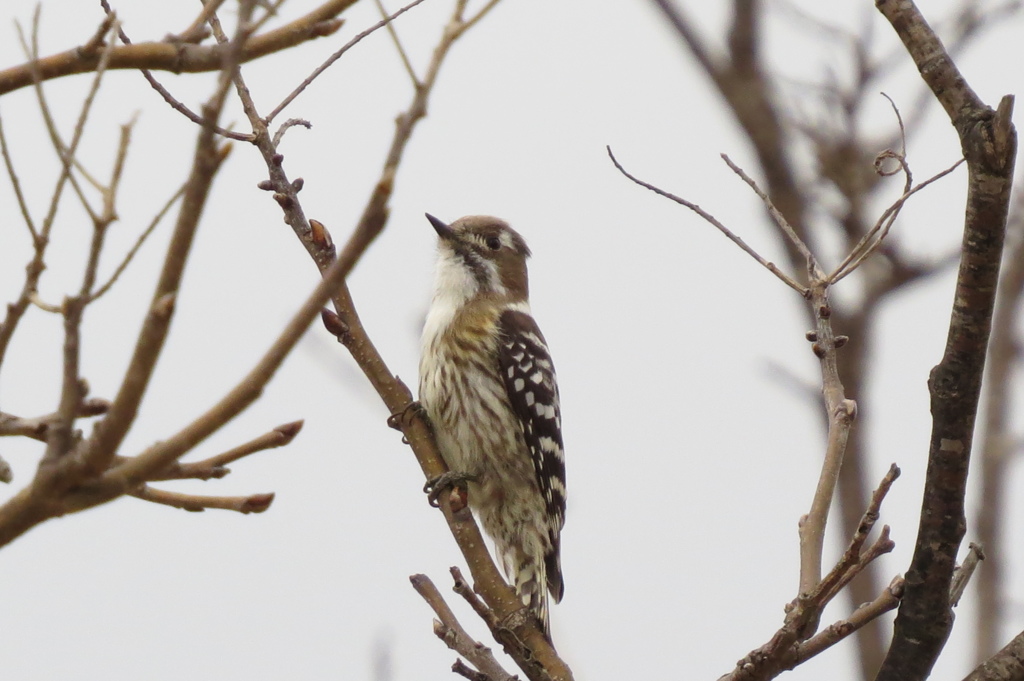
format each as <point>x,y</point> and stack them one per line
<point>487,384</point>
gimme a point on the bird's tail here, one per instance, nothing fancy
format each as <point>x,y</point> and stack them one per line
<point>534,568</point>
<point>532,589</point>
<point>534,577</point>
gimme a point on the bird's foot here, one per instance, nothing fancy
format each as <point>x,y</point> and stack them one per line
<point>435,487</point>
<point>400,418</point>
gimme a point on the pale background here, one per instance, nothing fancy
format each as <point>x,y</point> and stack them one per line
<point>690,454</point>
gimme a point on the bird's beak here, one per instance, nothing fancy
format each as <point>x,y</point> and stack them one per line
<point>442,229</point>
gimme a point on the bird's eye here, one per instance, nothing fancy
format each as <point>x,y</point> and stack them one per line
<point>493,243</point>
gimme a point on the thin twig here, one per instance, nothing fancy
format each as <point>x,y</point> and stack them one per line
<point>398,45</point>
<point>197,29</point>
<point>290,123</point>
<point>16,185</point>
<point>472,21</point>
<point>779,219</point>
<point>881,228</point>
<point>138,244</point>
<point>50,127</point>
<point>708,217</point>
<point>333,58</point>
<point>60,435</point>
<point>107,216</point>
<point>66,154</point>
<point>901,155</point>
<point>38,301</point>
<point>196,503</point>
<point>110,191</point>
<point>216,466</point>
<point>171,100</point>
<point>271,10</point>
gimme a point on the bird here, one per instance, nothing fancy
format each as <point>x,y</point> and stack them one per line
<point>488,386</point>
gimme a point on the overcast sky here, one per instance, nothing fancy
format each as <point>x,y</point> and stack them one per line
<point>690,454</point>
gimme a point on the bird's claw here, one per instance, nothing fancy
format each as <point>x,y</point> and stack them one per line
<point>398,419</point>
<point>435,487</point>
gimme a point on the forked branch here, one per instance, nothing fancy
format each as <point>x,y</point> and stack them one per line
<point>448,628</point>
<point>788,645</point>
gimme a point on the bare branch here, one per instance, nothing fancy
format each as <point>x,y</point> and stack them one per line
<point>398,45</point>
<point>179,57</point>
<point>333,58</point>
<point>962,575</point>
<point>196,503</point>
<point>197,31</point>
<point>66,154</point>
<point>69,483</point>
<point>852,562</point>
<point>841,413</point>
<point>41,239</point>
<point>988,140</point>
<point>290,123</point>
<point>130,255</point>
<point>872,240</point>
<point>684,27</point>
<point>777,217</point>
<point>771,267</point>
<point>171,100</point>
<point>887,601</point>
<point>450,630</point>
<point>106,217</point>
<point>16,185</point>
<point>793,642</point>
<point>472,21</point>
<point>37,427</point>
<point>216,466</point>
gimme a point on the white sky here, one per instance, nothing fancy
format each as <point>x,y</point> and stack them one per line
<point>690,458</point>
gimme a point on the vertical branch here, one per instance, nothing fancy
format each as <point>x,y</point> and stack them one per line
<point>988,140</point>
<point>840,413</point>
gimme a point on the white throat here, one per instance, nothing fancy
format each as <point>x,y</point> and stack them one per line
<point>454,285</point>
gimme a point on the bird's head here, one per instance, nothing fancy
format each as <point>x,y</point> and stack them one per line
<point>481,255</point>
